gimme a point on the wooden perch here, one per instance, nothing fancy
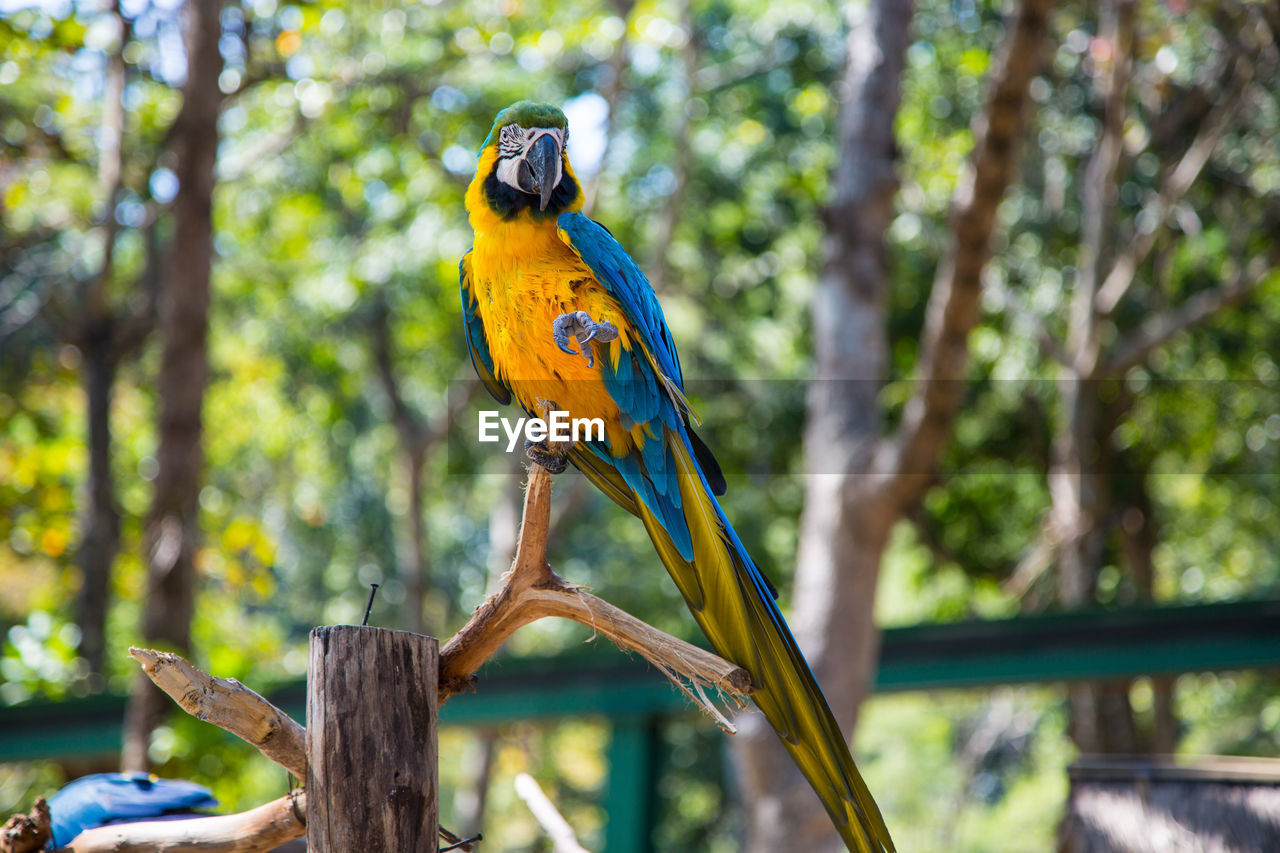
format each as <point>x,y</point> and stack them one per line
<point>230,705</point>
<point>259,829</point>
<point>24,833</point>
<point>531,591</point>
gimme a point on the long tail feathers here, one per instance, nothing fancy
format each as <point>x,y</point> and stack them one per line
<point>731,603</point>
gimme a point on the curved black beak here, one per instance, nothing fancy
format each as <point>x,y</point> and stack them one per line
<point>543,159</point>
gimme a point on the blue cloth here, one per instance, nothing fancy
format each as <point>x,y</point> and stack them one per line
<point>104,798</point>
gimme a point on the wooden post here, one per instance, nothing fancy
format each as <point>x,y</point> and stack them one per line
<point>371,741</point>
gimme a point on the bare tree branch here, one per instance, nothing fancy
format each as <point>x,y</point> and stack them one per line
<point>1157,330</point>
<point>954,301</point>
<point>552,822</point>
<point>532,591</point>
<point>1098,190</point>
<point>669,218</point>
<point>229,705</point>
<point>612,97</point>
<point>255,831</point>
<point>26,833</point>
<point>1172,188</point>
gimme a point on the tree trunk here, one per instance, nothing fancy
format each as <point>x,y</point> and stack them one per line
<point>372,753</point>
<point>100,519</point>
<point>418,570</point>
<point>100,355</point>
<point>1100,713</point>
<point>1138,542</point>
<point>840,542</point>
<point>172,527</point>
<point>868,481</point>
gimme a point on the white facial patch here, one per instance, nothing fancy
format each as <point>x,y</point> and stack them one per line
<point>514,143</point>
<point>508,171</point>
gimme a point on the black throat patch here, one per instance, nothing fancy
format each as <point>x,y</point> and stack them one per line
<point>507,202</point>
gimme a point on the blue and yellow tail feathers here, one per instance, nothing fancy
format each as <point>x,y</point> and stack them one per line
<point>733,604</point>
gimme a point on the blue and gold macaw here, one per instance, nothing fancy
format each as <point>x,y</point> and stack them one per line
<point>541,277</point>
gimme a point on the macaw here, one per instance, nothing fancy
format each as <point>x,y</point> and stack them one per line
<point>540,277</point>
<point>104,798</point>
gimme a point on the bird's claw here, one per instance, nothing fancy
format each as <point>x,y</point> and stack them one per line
<point>584,330</point>
<point>546,454</point>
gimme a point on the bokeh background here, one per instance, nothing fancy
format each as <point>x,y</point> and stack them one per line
<point>337,448</point>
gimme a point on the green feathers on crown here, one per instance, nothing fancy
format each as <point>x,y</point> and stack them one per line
<point>525,114</point>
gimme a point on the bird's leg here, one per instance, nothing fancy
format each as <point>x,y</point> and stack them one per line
<point>552,455</point>
<point>580,325</point>
<point>548,455</point>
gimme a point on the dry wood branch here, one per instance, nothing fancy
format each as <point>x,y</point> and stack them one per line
<point>531,591</point>
<point>1035,562</point>
<point>955,300</point>
<point>230,705</point>
<point>1158,329</point>
<point>25,833</point>
<point>259,829</point>
<point>553,823</point>
<point>1098,189</point>
<point>1172,189</point>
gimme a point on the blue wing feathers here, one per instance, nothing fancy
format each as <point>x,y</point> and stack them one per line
<point>104,798</point>
<point>477,346</point>
<point>632,383</point>
<point>638,393</point>
<point>615,269</point>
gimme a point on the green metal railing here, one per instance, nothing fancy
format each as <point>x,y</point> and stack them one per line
<point>1086,645</point>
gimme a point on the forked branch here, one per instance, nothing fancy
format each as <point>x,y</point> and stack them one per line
<point>230,705</point>
<point>531,591</point>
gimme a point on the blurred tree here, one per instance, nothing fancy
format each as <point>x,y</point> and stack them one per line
<point>1104,342</point>
<point>709,136</point>
<point>83,307</point>
<point>418,441</point>
<point>873,480</point>
<point>105,337</point>
<point>173,525</point>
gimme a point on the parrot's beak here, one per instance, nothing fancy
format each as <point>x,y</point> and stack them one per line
<point>544,162</point>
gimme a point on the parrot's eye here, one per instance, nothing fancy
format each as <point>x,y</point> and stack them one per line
<point>511,140</point>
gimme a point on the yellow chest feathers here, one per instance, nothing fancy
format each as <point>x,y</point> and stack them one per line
<point>523,277</point>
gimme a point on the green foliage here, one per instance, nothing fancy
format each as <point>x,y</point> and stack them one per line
<point>39,658</point>
<point>968,771</point>
<point>349,134</point>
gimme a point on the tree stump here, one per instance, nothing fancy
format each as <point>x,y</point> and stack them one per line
<point>371,741</point>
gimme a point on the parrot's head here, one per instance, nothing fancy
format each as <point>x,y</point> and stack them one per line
<point>523,164</point>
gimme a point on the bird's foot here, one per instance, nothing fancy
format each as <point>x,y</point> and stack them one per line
<point>585,330</point>
<point>554,456</point>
